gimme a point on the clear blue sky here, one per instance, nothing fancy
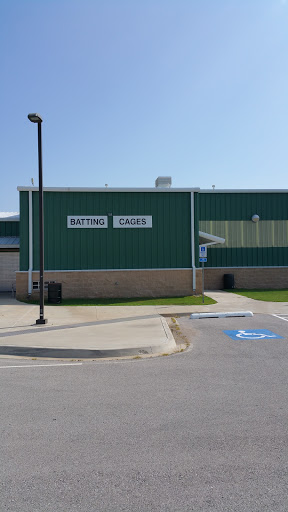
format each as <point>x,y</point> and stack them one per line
<point>130,90</point>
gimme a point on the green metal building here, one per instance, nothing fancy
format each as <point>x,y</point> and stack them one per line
<point>111,242</point>
<point>254,224</point>
<point>145,242</point>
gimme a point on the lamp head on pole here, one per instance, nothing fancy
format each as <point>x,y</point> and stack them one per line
<point>35,118</point>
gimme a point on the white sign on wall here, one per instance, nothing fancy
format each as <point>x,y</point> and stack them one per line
<point>87,221</point>
<point>132,221</point>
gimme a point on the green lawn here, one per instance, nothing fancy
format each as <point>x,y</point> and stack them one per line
<point>166,301</point>
<point>266,295</point>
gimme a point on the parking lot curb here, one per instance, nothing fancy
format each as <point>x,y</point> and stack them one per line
<point>196,316</point>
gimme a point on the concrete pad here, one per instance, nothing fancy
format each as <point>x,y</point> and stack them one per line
<point>83,332</point>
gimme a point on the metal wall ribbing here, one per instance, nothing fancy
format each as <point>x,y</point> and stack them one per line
<point>229,214</point>
<point>166,245</point>
<point>241,206</point>
<point>9,228</point>
<point>24,230</point>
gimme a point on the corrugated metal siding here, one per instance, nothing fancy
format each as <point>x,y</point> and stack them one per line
<point>237,233</point>
<point>196,228</point>
<point>248,257</point>
<point>228,215</point>
<point>8,228</point>
<point>241,206</point>
<point>166,245</point>
<point>24,226</point>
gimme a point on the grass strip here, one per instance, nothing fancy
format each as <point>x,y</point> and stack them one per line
<point>264,295</point>
<point>193,300</point>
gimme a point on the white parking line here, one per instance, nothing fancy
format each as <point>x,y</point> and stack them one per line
<point>282,317</point>
<point>37,365</point>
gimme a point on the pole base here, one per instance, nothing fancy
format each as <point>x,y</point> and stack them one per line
<point>41,321</point>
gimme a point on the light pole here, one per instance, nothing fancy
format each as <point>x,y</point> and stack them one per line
<point>35,118</point>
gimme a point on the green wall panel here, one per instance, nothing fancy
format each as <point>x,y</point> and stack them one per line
<point>166,245</point>
<point>9,228</point>
<point>228,215</point>
<point>248,257</point>
<point>196,228</point>
<point>241,206</point>
<point>24,224</point>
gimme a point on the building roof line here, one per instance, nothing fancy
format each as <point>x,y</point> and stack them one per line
<point>107,189</point>
<point>153,189</point>
<point>243,191</point>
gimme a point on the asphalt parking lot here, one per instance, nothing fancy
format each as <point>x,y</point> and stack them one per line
<point>215,331</point>
<point>204,430</point>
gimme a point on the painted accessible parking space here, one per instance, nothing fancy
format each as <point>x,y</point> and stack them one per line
<point>282,317</point>
<point>253,334</point>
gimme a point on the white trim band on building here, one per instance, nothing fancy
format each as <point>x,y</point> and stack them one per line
<point>110,270</point>
<point>86,189</point>
<point>243,191</point>
<point>255,267</point>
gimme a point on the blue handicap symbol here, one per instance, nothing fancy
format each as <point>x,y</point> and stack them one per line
<point>252,334</point>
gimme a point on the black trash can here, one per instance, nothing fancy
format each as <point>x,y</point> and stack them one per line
<point>229,281</point>
<point>55,293</point>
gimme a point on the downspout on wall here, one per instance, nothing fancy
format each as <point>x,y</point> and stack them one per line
<point>193,244</point>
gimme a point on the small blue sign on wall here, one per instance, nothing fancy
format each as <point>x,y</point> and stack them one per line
<point>203,251</point>
<point>253,334</point>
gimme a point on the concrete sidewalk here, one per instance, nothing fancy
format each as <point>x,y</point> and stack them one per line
<point>82,332</point>
<point>78,332</point>
<point>227,302</point>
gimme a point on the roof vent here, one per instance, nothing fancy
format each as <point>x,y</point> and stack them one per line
<point>163,182</point>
